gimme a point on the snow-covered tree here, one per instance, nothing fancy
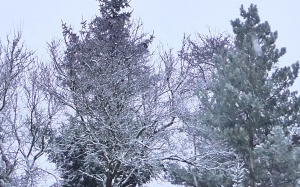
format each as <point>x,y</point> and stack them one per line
<point>205,156</point>
<point>26,114</point>
<point>250,94</point>
<point>118,108</point>
<point>278,160</point>
<point>13,59</point>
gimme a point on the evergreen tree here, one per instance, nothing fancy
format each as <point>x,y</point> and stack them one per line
<point>250,94</point>
<point>278,160</point>
<point>118,108</point>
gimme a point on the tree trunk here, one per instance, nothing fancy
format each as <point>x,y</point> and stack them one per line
<point>251,159</point>
<point>108,182</point>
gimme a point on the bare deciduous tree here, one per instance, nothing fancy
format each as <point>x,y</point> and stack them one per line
<point>120,110</point>
<point>26,116</point>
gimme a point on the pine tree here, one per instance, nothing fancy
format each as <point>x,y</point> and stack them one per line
<point>278,160</point>
<point>250,94</point>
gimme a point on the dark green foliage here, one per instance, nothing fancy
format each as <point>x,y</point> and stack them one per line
<point>72,162</point>
<point>192,177</point>
<point>250,94</point>
<point>278,160</point>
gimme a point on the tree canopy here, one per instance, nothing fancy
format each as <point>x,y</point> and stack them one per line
<point>108,111</point>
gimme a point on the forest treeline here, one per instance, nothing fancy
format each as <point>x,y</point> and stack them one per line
<point>110,112</point>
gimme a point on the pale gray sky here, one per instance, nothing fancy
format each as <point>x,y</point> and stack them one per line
<point>40,20</point>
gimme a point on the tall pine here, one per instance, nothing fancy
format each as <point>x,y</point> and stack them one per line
<point>250,94</point>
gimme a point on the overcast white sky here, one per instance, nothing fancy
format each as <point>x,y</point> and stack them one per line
<point>40,20</point>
